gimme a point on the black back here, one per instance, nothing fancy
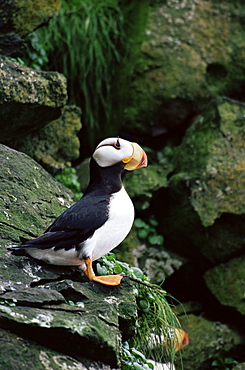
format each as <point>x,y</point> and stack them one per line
<point>88,214</point>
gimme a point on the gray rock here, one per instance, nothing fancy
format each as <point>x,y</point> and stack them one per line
<point>208,340</point>
<point>207,188</point>
<point>23,17</point>
<point>182,53</point>
<point>19,353</point>
<point>29,99</point>
<point>40,302</point>
<point>227,283</point>
<point>30,198</point>
<point>56,144</point>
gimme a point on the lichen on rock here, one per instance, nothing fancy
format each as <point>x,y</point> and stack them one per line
<point>210,338</point>
<point>39,302</point>
<point>226,282</point>
<point>189,52</point>
<point>56,144</point>
<point>28,99</point>
<point>30,199</point>
<point>212,157</point>
<point>24,16</point>
<point>207,184</point>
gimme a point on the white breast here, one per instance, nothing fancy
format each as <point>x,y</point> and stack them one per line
<point>116,228</point>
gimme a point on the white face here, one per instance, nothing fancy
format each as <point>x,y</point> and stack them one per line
<point>108,152</point>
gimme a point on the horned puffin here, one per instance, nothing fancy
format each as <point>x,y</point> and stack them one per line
<point>97,222</point>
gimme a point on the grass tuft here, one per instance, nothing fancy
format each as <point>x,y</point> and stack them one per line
<point>85,42</point>
<point>157,323</point>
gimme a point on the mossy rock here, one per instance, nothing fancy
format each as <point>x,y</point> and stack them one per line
<point>226,282</point>
<point>56,144</point>
<point>19,353</point>
<point>142,184</point>
<point>24,16</point>
<point>31,199</point>
<point>211,156</point>
<point>181,56</point>
<point>29,99</point>
<point>207,186</point>
<point>208,340</point>
<point>38,302</point>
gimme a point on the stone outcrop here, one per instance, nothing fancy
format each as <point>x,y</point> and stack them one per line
<point>226,282</point>
<point>210,340</point>
<point>206,186</point>
<point>20,17</point>
<point>30,200</point>
<point>24,16</point>
<point>28,99</point>
<point>70,317</point>
<point>183,54</point>
<point>31,99</point>
<point>56,144</point>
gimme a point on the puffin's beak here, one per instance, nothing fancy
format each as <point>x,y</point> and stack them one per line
<point>137,160</point>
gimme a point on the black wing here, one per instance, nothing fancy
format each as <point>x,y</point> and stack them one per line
<point>90,212</point>
<point>73,226</point>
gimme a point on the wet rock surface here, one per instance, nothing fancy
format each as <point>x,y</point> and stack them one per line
<point>206,186</point>
<point>53,306</point>
<point>185,53</point>
<point>209,339</point>
<point>28,99</point>
<point>56,144</point>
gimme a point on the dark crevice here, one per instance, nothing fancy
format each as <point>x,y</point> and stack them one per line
<point>64,341</point>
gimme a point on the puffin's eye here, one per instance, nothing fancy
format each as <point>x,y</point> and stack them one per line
<point>117,145</point>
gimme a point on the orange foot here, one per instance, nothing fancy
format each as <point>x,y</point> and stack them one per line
<point>108,279</point>
<point>112,280</point>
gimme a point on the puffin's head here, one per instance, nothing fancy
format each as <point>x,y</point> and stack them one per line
<point>114,150</point>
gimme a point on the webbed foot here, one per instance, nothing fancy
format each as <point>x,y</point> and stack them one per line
<point>112,280</point>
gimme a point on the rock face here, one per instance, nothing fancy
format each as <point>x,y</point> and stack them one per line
<point>35,97</point>
<point>55,144</point>
<point>201,215</point>
<point>72,317</point>
<point>30,200</point>
<point>30,99</point>
<point>29,355</point>
<point>20,17</point>
<point>210,338</point>
<point>24,16</point>
<point>208,183</point>
<point>184,52</point>
<point>226,282</point>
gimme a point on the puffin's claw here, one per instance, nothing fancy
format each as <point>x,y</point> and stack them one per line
<point>106,279</point>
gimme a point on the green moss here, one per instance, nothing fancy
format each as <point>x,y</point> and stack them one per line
<point>186,52</point>
<point>150,180</point>
<point>226,282</point>
<point>26,17</point>
<point>30,198</point>
<point>210,339</point>
<point>211,158</point>
<point>136,15</point>
<point>18,353</point>
<point>56,144</point>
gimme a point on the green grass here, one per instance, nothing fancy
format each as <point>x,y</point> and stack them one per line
<point>85,42</point>
<point>156,317</point>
